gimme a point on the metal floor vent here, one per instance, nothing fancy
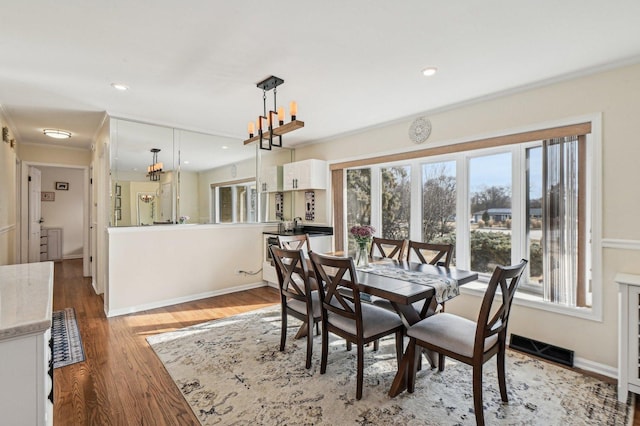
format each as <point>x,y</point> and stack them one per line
<point>542,350</point>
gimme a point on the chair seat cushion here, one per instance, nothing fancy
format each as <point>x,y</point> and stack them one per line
<point>374,321</point>
<point>450,332</point>
<point>301,307</point>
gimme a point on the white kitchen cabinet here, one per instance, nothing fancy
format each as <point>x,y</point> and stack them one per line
<point>629,335</point>
<point>26,370</point>
<point>306,174</point>
<point>271,179</point>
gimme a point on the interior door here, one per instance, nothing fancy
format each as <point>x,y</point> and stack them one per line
<point>35,218</point>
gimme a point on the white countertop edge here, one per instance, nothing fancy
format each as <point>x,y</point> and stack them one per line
<point>43,321</point>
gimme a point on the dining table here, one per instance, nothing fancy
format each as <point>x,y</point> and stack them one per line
<point>402,290</point>
<point>402,293</point>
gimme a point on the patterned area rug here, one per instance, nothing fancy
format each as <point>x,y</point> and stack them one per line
<point>231,372</point>
<point>67,344</point>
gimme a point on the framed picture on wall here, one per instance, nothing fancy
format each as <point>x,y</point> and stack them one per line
<point>118,190</point>
<point>47,196</point>
<point>118,202</point>
<point>62,186</point>
<point>118,214</point>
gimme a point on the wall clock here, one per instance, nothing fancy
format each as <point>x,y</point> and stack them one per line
<point>420,130</point>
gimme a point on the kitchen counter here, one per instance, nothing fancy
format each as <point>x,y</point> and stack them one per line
<point>312,230</point>
<point>26,299</point>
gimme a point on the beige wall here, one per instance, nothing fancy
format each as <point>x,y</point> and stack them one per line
<point>613,94</point>
<point>36,153</point>
<point>8,217</point>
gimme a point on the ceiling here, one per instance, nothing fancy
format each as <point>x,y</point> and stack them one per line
<point>348,64</point>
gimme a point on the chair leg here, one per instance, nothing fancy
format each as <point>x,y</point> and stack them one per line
<point>317,328</point>
<point>412,360</point>
<point>360,375</point>
<point>309,343</point>
<point>477,394</point>
<point>440,362</point>
<point>325,348</point>
<point>502,374</point>
<point>348,345</point>
<point>283,331</point>
<point>376,345</point>
<point>399,345</point>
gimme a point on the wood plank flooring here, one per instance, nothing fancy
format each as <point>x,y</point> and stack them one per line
<point>122,382</point>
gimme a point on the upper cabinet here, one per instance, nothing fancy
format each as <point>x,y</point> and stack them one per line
<point>271,179</point>
<point>306,174</point>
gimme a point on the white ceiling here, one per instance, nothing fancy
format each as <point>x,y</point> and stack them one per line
<point>349,64</point>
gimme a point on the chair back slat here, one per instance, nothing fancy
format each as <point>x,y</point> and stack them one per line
<point>295,242</point>
<point>383,247</point>
<point>333,273</point>
<point>437,251</point>
<point>293,274</point>
<point>507,278</point>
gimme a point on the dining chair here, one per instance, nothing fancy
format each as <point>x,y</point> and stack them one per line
<point>472,343</point>
<point>350,319</point>
<point>389,248</point>
<point>297,298</point>
<point>433,254</point>
<point>295,242</point>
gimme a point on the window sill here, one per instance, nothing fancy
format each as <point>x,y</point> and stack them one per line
<point>478,289</point>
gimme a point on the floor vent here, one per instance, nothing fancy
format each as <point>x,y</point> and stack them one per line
<point>542,350</point>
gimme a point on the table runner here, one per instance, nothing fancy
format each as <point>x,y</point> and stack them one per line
<point>445,288</point>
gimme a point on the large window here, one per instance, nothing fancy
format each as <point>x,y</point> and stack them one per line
<point>516,198</point>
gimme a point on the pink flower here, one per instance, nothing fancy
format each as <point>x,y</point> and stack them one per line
<point>362,233</point>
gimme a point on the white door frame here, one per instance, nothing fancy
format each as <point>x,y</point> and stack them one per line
<point>23,187</point>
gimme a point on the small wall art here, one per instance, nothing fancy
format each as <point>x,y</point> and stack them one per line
<point>279,206</point>
<point>309,205</point>
<point>62,186</point>
<point>47,196</point>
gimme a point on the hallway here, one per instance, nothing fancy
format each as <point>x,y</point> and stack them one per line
<point>122,382</point>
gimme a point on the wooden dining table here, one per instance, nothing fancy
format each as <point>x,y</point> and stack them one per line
<point>402,294</point>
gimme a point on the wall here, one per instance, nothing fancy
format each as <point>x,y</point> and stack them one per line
<point>8,217</point>
<point>155,266</point>
<point>612,93</point>
<point>67,210</point>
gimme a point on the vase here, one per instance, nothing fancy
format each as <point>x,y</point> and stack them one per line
<point>362,255</point>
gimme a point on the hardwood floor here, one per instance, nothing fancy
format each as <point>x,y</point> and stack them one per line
<point>122,382</point>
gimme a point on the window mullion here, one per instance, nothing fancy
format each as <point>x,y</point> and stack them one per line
<point>415,227</point>
<point>376,199</point>
<point>463,247</point>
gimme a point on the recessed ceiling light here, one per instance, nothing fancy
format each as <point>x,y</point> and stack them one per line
<point>186,161</point>
<point>428,72</point>
<point>57,134</point>
<point>225,147</point>
<point>120,86</point>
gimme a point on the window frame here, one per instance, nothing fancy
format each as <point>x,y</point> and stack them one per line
<point>516,141</point>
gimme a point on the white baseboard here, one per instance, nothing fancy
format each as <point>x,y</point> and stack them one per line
<point>190,298</point>
<point>595,367</point>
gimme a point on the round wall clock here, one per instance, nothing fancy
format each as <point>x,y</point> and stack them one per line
<point>420,130</point>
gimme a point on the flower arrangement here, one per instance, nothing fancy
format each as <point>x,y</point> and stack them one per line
<point>362,234</point>
<point>183,219</point>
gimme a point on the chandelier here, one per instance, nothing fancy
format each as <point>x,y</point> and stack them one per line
<point>266,124</point>
<point>155,169</point>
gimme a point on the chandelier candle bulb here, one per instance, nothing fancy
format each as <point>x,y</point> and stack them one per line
<point>281,116</point>
<point>251,128</point>
<point>293,108</point>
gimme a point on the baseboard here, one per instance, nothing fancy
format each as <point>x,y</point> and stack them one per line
<point>178,300</point>
<point>595,367</point>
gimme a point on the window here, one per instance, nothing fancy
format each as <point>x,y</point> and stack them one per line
<point>234,202</point>
<point>503,199</point>
<point>395,200</point>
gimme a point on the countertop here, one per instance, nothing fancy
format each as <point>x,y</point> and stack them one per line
<point>312,230</point>
<point>26,299</point>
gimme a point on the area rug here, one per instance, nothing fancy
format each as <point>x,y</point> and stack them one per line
<point>231,372</point>
<point>67,344</point>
